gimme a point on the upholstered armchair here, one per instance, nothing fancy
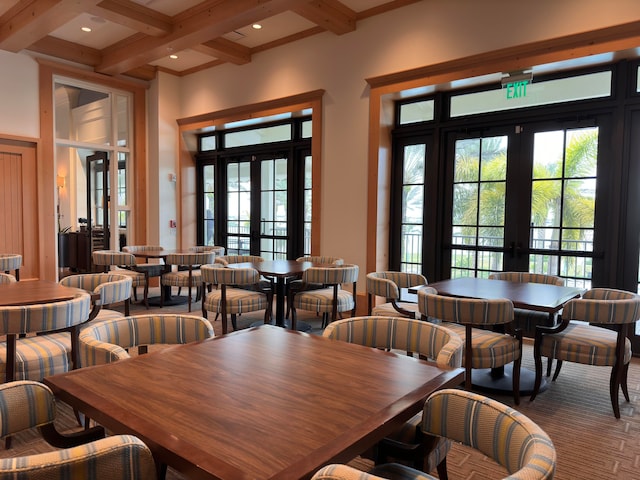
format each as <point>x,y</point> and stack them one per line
<point>109,341</point>
<point>594,331</point>
<point>501,433</point>
<point>187,273</point>
<point>389,285</point>
<point>112,288</point>
<point>84,455</point>
<point>9,262</point>
<point>415,338</point>
<point>48,338</point>
<point>125,264</point>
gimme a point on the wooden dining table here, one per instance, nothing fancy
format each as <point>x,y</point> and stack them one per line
<point>33,292</point>
<point>281,271</point>
<point>260,403</point>
<point>529,296</point>
<point>161,254</point>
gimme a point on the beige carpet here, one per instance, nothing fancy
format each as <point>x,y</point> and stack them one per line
<point>575,411</point>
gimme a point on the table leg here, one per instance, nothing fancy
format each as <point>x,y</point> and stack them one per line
<point>500,380</point>
<point>280,301</point>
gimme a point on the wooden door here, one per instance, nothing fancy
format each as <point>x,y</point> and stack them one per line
<point>19,205</point>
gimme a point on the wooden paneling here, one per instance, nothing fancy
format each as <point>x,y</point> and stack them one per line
<point>18,205</point>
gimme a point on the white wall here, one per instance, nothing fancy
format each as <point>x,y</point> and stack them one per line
<point>19,109</point>
<point>420,34</point>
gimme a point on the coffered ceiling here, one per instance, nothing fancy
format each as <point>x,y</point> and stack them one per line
<point>138,37</point>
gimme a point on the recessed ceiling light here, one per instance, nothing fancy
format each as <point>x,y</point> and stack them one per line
<point>173,56</point>
<point>86,29</point>
<point>256,26</point>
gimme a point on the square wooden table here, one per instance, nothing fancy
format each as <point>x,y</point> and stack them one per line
<point>33,292</point>
<point>262,403</point>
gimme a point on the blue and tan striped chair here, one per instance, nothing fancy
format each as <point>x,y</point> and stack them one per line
<point>108,341</point>
<point>295,284</point>
<point>26,404</point>
<point>124,264</point>
<point>240,290</point>
<point>227,259</point>
<point>50,344</point>
<point>7,278</point>
<point>602,341</point>
<point>473,319</point>
<point>189,275</point>
<point>496,430</point>
<point>410,337</point>
<point>389,285</point>
<point>219,251</point>
<point>11,261</point>
<point>112,288</point>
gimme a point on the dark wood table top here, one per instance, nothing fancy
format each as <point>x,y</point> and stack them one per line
<point>33,292</point>
<point>261,403</point>
<point>276,268</point>
<point>531,296</point>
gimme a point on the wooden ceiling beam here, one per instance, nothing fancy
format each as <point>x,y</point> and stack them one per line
<point>32,20</point>
<point>331,15</point>
<point>133,15</point>
<point>73,52</point>
<point>203,24</point>
<point>226,50</point>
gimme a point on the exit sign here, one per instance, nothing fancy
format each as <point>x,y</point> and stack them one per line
<point>516,89</point>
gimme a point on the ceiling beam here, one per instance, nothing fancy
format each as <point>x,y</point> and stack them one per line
<point>73,52</point>
<point>226,50</point>
<point>331,15</point>
<point>133,15</point>
<point>31,20</point>
<point>211,19</point>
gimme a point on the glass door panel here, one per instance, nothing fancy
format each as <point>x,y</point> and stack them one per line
<point>273,208</point>
<point>239,208</point>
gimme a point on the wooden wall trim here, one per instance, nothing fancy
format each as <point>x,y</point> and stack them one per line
<point>46,154</point>
<point>384,88</point>
<point>187,149</point>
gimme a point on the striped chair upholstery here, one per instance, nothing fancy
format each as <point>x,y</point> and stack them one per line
<point>219,251</point>
<point>7,278</point>
<point>591,343</point>
<point>295,284</point>
<point>113,288</point>
<point>498,431</point>
<point>233,296</point>
<point>227,259</point>
<point>526,320</point>
<point>108,341</point>
<point>389,285</point>
<point>50,352</point>
<point>27,404</point>
<point>415,337</point>
<point>189,278</point>
<point>11,261</point>
<point>333,299</point>
<point>472,318</point>
<point>125,264</point>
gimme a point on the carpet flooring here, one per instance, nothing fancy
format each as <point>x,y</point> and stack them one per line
<point>575,411</point>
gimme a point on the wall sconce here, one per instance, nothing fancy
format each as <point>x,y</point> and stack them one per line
<point>60,181</point>
<point>60,184</point>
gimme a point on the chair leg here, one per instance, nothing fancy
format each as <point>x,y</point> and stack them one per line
<point>516,380</point>
<point>234,322</point>
<point>625,388</point>
<point>557,372</point>
<point>442,469</point>
<point>549,365</point>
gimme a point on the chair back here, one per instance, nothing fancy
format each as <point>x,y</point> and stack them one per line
<point>399,333</point>
<point>337,275</point>
<point>34,406</point>
<point>465,311</point>
<point>495,429</point>
<point>388,284</point>
<point>604,306</point>
<point>10,261</point>
<point>141,248</point>
<point>113,288</point>
<point>6,278</point>
<point>107,341</point>
<point>525,277</point>
<point>111,257</point>
<point>218,275</point>
<point>45,317</point>
<point>227,259</point>
<point>219,251</point>
<point>191,259</point>
<point>321,260</point>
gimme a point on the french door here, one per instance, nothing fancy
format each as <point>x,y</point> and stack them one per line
<point>257,205</point>
<point>523,197</point>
